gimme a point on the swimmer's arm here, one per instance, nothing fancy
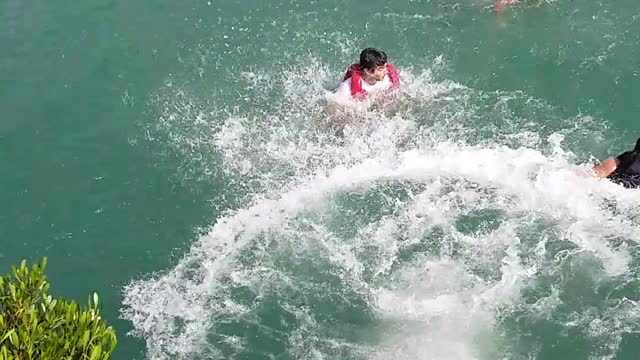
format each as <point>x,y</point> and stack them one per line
<point>341,95</point>
<point>606,167</point>
<point>334,109</point>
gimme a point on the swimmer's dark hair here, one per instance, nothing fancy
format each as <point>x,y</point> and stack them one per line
<point>371,58</point>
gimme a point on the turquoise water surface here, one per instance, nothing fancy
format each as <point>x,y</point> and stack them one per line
<point>176,158</point>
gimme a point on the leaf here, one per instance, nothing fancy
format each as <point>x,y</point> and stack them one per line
<point>85,338</point>
<point>7,335</point>
<point>97,351</point>
<point>12,290</point>
<point>95,299</point>
<point>14,338</point>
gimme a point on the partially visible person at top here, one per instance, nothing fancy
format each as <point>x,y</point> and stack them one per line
<point>623,169</point>
<point>372,74</point>
<point>500,5</point>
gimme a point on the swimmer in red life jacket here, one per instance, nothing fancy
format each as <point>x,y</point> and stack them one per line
<point>371,75</point>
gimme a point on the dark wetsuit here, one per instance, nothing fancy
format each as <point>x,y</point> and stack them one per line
<point>627,172</point>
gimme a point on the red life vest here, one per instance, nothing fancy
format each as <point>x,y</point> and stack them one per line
<point>356,79</point>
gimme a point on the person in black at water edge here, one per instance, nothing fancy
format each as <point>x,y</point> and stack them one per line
<point>623,169</point>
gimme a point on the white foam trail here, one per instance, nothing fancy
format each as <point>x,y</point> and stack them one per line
<point>173,311</point>
<point>438,307</point>
<point>174,315</point>
<point>444,299</point>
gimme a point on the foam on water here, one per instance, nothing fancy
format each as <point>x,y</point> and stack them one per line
<point>425,232</point>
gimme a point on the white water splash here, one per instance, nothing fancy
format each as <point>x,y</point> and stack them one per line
<point>435,289</point>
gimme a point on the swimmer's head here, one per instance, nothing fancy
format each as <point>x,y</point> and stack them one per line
<point>373,65</point>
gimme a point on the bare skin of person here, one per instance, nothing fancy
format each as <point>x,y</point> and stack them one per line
<point>501,5</point>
